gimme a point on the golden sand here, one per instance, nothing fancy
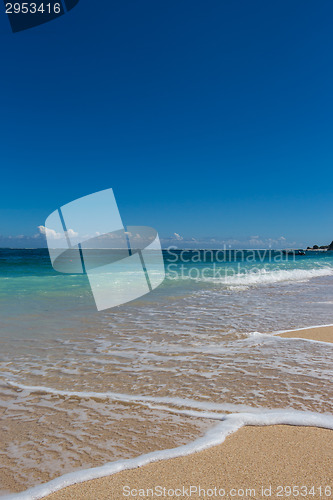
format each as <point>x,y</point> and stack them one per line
<point>251,459</point>
<point>322,333</point>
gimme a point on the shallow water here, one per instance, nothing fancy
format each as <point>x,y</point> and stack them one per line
<point>80,388</point>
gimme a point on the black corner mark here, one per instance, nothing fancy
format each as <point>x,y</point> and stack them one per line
<point>70,4</point>
<point>24,14</point>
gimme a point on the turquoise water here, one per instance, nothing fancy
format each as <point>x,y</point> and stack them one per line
<point>28,274</point>
<point>87,387</point>
<point>30,286</point>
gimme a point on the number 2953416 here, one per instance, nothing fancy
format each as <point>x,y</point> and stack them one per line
<point>33,8</point>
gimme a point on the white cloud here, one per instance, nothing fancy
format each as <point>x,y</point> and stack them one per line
<point>50,233</point>
<point>53,235</point>
<point>72,233</point>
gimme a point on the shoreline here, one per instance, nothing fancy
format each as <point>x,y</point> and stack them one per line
<point>245,462</point>
<point>98,483</point>
<point>313,333</point>
<point>271,430</point>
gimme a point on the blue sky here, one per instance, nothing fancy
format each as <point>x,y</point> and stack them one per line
<point>208,119</point>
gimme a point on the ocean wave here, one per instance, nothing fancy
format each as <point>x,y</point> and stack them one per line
<point>264,277</point>
<point>215,436</point>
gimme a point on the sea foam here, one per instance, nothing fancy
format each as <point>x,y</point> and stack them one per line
<point>264,276</point>
<point>228,425</point>
<point>137,399</point>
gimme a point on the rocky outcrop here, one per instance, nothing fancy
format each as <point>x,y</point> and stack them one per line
<point>322,248</point>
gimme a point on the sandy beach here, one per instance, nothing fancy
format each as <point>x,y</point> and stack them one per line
<point>252,458</point>
<point>254,462</point>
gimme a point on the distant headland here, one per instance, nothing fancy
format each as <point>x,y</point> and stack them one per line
<point>323,248</point>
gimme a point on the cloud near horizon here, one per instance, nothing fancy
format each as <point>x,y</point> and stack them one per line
<point>53,235</point>
<point>38,240</point>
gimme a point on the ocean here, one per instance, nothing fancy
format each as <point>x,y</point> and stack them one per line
<point>81,388</point>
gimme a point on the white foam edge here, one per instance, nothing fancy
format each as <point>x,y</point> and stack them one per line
<point>215,436</point>
<point>277,333</point>
<point>137,399</point>
<point>303,328</point>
